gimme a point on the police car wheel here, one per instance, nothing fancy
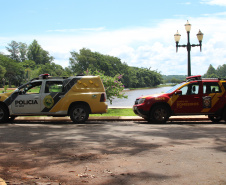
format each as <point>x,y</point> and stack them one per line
<point>4,115</point>
<point>79,113</point>
<point>215,119</point>
<point>160,114</point>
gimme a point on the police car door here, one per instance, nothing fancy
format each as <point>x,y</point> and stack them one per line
<point>53,92</point>
<point>28,99</point>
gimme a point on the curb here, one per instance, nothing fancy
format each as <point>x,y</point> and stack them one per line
<point>2,182</point>
<point>106,118</point>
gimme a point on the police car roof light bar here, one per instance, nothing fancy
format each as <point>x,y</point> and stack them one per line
<point>44,76</point>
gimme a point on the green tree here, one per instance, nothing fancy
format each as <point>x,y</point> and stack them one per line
<point>2,72</point>
<point>37,54</point>
<point>132,76</point>
<point>18,51</point>
<point>221,71</point>
<point>79,62</point>
<point>13,49</point>
<point>23,51</point>
<point>210,72</point>
<point>52,69</point>
<point>86,59</point>
<point>113,85</point>
<point>14,71</point>
<point>28,64</point>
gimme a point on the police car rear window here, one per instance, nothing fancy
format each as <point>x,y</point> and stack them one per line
<point>54,86</point>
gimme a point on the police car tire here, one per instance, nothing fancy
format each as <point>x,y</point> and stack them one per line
<point>79,113</point>
<point>160,114</point>
<point>4,114</point>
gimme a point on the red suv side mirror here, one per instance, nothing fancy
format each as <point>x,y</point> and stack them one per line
<point>178,92</point>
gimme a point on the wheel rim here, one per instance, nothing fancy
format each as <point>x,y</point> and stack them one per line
<point>160,114</point>
<point>79,114</point>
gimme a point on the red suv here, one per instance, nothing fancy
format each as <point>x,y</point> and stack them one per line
<point>196,96</point>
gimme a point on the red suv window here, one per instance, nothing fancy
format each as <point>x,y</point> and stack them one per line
<point>211,87</point>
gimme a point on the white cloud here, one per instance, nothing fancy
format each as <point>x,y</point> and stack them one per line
<point>186,3</point>
<point>143,46</point>
<point>77,30</point>
<point>215,2</point>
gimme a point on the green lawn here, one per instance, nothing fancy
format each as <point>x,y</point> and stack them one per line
<point>117,112</point>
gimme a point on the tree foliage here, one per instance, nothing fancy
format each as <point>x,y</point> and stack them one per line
<point>13,49</point>
<point>2,72</point>
<point>113,86</point>
<point>14,71</point>
<point>37,54</point>
<point>133,77</point>
<point>220,72</point>
<point>26,62</point>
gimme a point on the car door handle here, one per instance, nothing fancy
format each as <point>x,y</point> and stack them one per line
<point>36,97</point>
<point>196,97</point>
<point>61,96</point>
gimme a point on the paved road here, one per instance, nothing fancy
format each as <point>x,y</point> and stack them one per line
<point>114,153</point>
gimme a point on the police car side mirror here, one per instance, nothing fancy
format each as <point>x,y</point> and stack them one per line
<point>17,91</point>
<point>178,92</point>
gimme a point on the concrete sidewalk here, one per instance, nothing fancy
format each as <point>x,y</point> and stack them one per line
<point>106,118</point>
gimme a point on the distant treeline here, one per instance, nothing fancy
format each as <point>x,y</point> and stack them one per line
<point>220,72</point>
<point>173,78</point>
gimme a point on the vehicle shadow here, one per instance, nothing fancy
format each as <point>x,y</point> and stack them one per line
<point>33,146</point>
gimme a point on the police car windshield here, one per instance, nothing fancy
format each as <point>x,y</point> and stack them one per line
<point>175,87</point>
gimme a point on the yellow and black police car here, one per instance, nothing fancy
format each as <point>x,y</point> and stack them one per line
<point>76,96</point>
<point>195,96</point>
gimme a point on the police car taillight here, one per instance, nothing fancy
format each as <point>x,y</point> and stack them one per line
<point>103,97</point>
<point>44,76</point>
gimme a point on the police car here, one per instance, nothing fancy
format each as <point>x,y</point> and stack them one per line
<point>76,97</point>
<point>195,96</point>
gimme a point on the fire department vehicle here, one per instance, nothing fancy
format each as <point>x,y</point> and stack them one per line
<point>195,96</point>
<point>76,97</point>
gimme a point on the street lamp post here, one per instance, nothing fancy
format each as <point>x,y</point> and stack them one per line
<point>188,45</point>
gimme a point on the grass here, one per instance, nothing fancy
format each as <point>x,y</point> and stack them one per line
<point>117,112</point>
<point>7,90</point>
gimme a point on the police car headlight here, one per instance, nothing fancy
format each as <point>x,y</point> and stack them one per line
<point>141,100</point>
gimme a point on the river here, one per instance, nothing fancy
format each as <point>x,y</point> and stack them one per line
<point>133,94</point>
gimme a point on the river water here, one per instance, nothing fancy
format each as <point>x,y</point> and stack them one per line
<point>133,94</point>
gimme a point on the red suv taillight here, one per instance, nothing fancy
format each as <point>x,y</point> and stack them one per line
<point>103,97</point>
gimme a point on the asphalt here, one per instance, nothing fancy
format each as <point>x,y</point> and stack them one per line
<point>106,118</point>
<point>26,119</point>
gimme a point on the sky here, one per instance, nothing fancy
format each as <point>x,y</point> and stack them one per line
<point>139,32</point>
